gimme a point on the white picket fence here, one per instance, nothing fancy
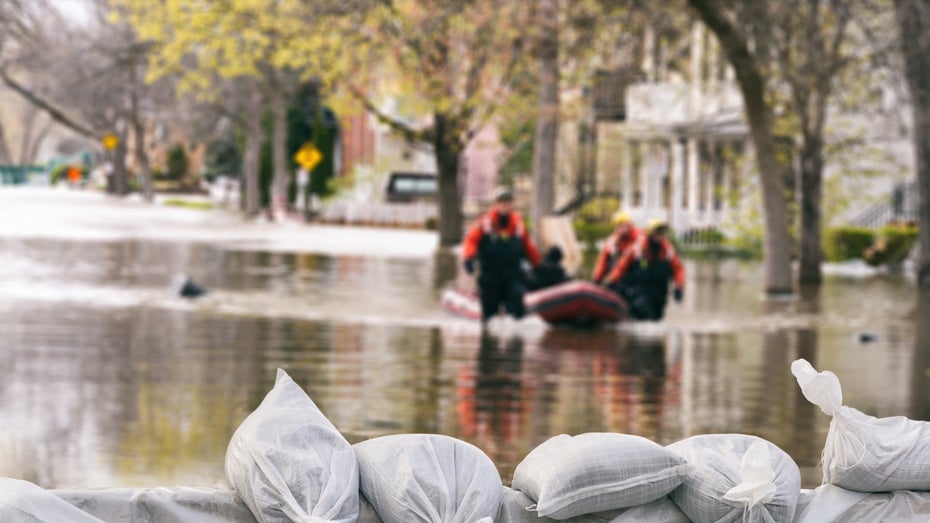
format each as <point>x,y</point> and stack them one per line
<point>379,213</point>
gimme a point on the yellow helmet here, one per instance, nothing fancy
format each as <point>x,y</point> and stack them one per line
<point>621,218</point>
<point>656,224</point>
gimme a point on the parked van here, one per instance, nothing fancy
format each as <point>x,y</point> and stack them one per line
<point>406,187</point>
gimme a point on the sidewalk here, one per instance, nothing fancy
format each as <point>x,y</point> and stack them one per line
<point>35,212</point>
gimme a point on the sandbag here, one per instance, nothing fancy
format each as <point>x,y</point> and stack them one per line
<point>160,505</point>
<point>833,504</point>
<point>514,510</point>
<point>862,452</point>
<point>595,472</point>
<point>736,477</point>
<point>25,502</point>
<point>429,478</point>
<point>289,463</point>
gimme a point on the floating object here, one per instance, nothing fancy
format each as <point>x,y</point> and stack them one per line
<point>182,285</point>
<point>575,302</point>
<point>866,337</point>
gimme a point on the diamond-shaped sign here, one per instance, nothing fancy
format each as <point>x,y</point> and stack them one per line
<point>308,156</point>
<point>109,141</point>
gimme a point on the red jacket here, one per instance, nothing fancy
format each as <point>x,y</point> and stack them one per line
<point>487,224</point>
<point>639,251</point>
<point>613,249</point>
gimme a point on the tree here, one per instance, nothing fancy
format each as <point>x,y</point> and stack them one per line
<point>914,22</point>
<point>547,115</point>
<point>749,66</point>
<point>266,45</point>
<point>455,62</point>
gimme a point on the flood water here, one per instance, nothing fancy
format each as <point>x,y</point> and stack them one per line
<point>109,381</point>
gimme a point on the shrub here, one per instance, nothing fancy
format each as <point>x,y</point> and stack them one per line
<point>59,173</point>
<point>846,243</point>
<point>598,210</point>
<point>892,244</point>
<point>178,163</point>
<point>592,221</point>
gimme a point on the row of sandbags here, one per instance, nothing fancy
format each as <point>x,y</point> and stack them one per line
<point>287,463</point>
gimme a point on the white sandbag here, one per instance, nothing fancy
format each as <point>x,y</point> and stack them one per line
<point>833,504</point>
<point>862,452</point>
<point>596,472</point>
<point>25,502</point>
<point>662,510</point>
<point>366,513</point>
<point>289,463</point>
<point>173,504</point>
<point>160,505</point>
<point>736,477</point>
<point>514,510</point>
<point>428,478</point>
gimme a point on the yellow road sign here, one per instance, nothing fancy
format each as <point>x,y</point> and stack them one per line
<point>109,141</point>
<point>308,156</point>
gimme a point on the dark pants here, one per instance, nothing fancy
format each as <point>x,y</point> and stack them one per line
<point>645,302</point>
<point>495,293</point>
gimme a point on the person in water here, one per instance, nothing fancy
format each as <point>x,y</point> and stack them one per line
<point>624,236</point>
<point>550,272</point>
<point>642,274</point>
<point>499,245</point>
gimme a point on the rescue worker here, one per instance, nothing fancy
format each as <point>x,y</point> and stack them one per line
<point>499,244</point>
<point>642,274</point>
<point>625,234</point>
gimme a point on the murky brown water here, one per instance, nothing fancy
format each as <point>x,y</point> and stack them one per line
<point>108,381</point>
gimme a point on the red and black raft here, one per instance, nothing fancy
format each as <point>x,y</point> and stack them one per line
<point>575,302</point>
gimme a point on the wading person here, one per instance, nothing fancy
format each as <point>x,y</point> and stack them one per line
<point>624,236</point>
<point>642,274</point>
<point>498,243</point>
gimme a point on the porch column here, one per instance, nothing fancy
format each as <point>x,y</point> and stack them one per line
<point>626,174</point>
<point>677,183</point>
<point>693,182</point>
<point>710,182</point>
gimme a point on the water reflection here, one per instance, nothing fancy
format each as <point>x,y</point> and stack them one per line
<point>110,382</point>
<point>920,368</point>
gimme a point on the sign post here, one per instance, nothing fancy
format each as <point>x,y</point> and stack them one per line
<point>308,157</point>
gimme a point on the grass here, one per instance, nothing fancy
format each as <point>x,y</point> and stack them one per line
<point>188,204</point>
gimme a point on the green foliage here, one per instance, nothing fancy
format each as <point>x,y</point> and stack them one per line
<point>892,244</point>
<point>177,162</point>
<point>846,243</point>
<point>223,157</point>
<point>188,204</point>
<point>598,210</point>
<point>59,173</point>
<point>591,233</point>
<point>592,221</point>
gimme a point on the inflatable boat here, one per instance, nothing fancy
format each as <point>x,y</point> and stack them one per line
<point>574,302</point>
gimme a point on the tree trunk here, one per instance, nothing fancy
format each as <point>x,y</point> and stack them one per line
<point>914,21</point>
<point>446,141</point>
<point>547,121</point>
<point>5,157</point>
<point>120,178</point>
<point>777,243</point>
<point>251,158</point>
<point>279,198</point>
<point>811,251</point>
<point>37,142</point>
<point>142,159</point>
<point>143,169</point>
